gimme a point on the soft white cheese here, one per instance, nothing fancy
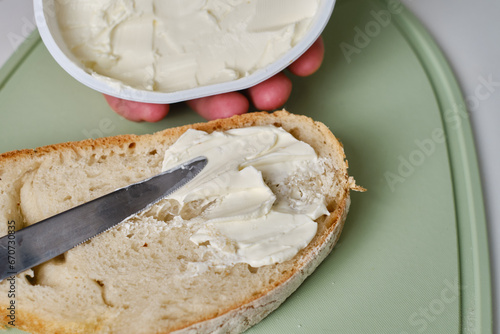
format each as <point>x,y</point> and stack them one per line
<point>243,220</point>
<point>171,45</point>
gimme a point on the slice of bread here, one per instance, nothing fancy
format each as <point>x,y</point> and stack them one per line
<point>142,276</point>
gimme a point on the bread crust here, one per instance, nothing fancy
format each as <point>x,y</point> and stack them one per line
<point>255,308</point>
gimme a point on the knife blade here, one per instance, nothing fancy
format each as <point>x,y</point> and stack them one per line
<point>44,240</point>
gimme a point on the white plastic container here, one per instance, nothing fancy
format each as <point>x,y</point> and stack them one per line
<point>45,16</point>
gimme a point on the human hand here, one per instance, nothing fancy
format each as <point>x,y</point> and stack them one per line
<point>267,95</point>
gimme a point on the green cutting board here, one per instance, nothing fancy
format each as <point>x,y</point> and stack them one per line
<point>413,255</point>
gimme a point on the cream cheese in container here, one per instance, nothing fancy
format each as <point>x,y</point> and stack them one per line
<point>167,51</point>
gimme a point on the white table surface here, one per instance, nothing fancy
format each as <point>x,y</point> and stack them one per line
<point>468,32</point>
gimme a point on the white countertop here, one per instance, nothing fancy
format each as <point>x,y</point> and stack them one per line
<point>468,33</point>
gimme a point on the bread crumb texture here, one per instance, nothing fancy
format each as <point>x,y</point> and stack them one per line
<point>145,275</point>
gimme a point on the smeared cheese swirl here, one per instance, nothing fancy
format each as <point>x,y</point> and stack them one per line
<point>171,45</point>
<point>244,220</point>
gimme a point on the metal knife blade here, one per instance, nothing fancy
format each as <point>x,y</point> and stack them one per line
<point>42,241</point>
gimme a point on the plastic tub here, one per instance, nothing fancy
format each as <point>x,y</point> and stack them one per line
<point>49,31</point>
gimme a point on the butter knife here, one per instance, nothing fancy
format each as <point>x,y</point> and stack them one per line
<point>44,240</point>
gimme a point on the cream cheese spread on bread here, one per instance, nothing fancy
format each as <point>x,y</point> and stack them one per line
<point>147,275</point>
<point>246,216</point>
<point>171,45</point>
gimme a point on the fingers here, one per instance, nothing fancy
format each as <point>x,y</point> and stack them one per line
<point>310,61</point>
<point>268,95</point>
<point>220,106</point>
<point>137,111</point>
<point>272,93</point>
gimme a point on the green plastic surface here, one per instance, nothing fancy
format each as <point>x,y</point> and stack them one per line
<point>413,257</point>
